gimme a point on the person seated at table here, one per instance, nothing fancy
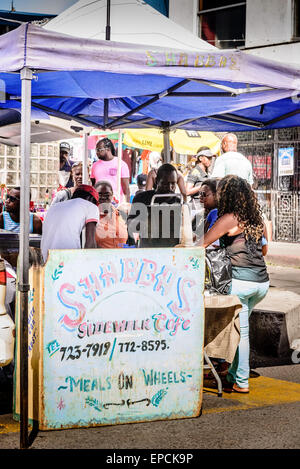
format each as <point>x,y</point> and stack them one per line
<point>200,173</point>
<point>10,217</point>
<point>240,228</point>
<point>141,180</point>
<point>65,221</point>
<point>208,197</point>
<point>149,221</point>
<point>155,161</point>
<point>111,230</point>
<point>67,192</point>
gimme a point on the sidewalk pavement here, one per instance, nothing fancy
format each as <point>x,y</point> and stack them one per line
<point>275,321</point>
<point>284,254</point>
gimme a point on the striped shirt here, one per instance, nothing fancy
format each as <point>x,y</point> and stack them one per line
<point>10,225</point>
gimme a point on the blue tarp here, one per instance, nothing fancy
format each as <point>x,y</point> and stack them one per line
<point>205,90</point>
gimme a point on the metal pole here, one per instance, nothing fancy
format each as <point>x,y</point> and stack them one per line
<point>167,154</point>
<point>119,164</point>
<point>108,28</point>
<point>107,37</point>
<point>85,175</point>
<point>23,285</point>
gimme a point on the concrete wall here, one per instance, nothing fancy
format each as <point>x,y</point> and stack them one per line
<point>268,22</point>
<point>184,12</point>
<point>286,53</point>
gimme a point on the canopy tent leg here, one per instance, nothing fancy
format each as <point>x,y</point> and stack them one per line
<point>23,285</point>
<point>85,174</point>
<point>120,142</point>
<point>167,154</point>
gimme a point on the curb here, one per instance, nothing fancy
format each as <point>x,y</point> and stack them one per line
<point>284,261</point>
<point>274,324</point>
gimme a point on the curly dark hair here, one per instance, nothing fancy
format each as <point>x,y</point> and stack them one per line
<point>236,196</point>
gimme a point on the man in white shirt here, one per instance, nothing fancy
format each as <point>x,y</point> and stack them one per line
<point>65,221</point>
<point>232,162</point>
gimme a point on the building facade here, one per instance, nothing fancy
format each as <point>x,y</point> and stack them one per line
<point>269,29</point>
<point>44,166</point>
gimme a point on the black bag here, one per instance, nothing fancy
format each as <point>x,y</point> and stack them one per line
<point>218,271</point>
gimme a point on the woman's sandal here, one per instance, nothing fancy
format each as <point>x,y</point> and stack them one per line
<point>236,388</point>
<point>232,387</point>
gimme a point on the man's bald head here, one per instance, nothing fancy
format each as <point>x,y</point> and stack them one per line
<point>229,143</point>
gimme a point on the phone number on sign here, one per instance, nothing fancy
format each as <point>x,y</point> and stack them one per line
<point>98,350</point>
<point>145,346</point>
<point>73,353</point>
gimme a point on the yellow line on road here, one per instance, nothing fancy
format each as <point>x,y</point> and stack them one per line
<point>218,410</point>
<point>263,392</point>
<point>9,427</point>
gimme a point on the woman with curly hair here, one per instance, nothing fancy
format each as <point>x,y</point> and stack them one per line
<point>240,228</point>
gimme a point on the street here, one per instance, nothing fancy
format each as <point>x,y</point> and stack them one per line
<point>266,418</point>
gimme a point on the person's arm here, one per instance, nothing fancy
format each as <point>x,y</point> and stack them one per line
<point>265,241</point>
<point>222,226</point>
<point>125,188</point>
<point>191,189</point>
<point>150,180</point>
<point>92,175</point>
<point>37,225</point>
<point>90,232</point>
<point>121,228</point>
<point>181,185</point>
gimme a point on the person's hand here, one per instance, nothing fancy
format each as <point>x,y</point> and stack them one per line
<point>62,160</point>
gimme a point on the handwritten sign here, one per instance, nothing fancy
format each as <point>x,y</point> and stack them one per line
<point>122,336</point>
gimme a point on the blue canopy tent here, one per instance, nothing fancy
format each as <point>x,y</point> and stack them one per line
<point>112,85</point>
<point>73,77</point>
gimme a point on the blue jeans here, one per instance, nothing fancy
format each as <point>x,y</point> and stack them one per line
<point>249,293</point>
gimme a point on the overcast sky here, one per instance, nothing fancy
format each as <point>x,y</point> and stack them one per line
<point>38,6</point>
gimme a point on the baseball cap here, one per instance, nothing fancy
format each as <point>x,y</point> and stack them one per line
<point>65,146</point>
<point>90,189</point>
<point>141,179</point>
<point>208,153</point>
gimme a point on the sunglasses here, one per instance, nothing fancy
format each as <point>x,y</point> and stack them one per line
<point>12,198</point>
<point>102,148</point>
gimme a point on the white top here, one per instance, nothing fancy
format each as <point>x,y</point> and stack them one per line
<point>235,163</point>
<point>64,223</point>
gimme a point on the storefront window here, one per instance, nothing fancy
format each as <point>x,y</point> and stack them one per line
<point>223,23</point>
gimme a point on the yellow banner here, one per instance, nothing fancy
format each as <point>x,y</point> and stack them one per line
<point>182,141</point>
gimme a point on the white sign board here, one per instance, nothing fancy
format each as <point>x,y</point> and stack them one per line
<point>122,336</point>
